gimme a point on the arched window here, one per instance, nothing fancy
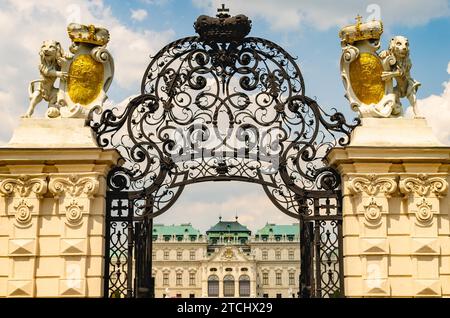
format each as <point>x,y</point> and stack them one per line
<point>228,286</point>
<point>244,286</point>
<point>213,286</point>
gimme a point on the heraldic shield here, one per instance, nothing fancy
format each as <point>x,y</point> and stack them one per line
<point>362,68</point>
<point>90,71</point>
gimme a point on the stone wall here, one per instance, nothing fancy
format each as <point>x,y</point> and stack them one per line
<point>52,210</point>
<point>396,210</point>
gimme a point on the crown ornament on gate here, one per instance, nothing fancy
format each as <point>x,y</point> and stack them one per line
<point>223,27</point>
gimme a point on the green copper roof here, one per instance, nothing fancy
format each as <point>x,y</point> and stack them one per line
<point>228,226</point>
<point>182,229</point>
<point>275,229</point>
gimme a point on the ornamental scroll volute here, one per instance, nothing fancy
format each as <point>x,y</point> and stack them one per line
<point>74,194</point>
<point>423,193</point>
<point>24,194</point>
<point>362,68</point>
<point>373,191</point>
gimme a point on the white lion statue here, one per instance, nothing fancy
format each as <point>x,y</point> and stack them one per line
<point>52,57</point>
<point>406,85</point>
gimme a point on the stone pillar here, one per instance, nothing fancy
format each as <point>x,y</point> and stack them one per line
<point>52,184</point>
<point>396,223</point>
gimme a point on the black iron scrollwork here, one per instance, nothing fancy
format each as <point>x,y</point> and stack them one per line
<point>222,106</point>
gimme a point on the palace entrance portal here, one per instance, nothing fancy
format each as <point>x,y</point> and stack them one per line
<point>221,106</point>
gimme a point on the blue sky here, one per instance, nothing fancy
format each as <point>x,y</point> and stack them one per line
<point>306,29</point>
<point>317,50</point>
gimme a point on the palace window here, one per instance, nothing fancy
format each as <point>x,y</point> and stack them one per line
<point>278,278</point>
<point>244,286</point>
<point>153,254</point>
<point>278,255</point>
<point>213,286</point>
<point>166,279</point>
<point>228,286</point>
<point>291,278</point>
<point>179,255</point>
<point>279,296</point>
<point>166,255</point>
<point>192,255</point>
<point>264,255</point>
<point>265,278</point>
<point>291,254</point>
<point>179,281</point>
<point>192,279</point>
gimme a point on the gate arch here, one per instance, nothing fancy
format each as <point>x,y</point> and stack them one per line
<point>213,107</point>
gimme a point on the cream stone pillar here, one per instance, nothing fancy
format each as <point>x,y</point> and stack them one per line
<point>52,183</point>
<point>396,223</point>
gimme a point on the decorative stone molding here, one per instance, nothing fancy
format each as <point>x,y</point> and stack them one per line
<point>76,246</point>
<point>22,186</point>
<point>71,287</point>
<point>422,185</point>
<point>22,247</point>
<point>425,246</point>
<point>20,288</point>
<point>374,246</point>
<point>74,185</point>
<point>427,287</point>
<point>372,184</point>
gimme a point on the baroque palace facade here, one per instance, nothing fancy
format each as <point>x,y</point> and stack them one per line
<point>226,262</point>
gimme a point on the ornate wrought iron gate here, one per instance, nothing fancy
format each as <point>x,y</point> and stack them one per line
<point>221,106</point>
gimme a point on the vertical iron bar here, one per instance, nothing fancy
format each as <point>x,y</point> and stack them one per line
<point>305,251</point>
<point>150,260</point>
<point>107,250</point>
<point>138,259</point>
<point>317,254</point>
<point>130,237</point>
<point>341,243</point>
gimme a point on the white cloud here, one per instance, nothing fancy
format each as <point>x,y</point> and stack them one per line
<point>24,24</point>
<point>139,14</point>
<point>324,14</point>
<point>436,109</point>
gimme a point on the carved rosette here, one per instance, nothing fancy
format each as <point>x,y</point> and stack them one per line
<point>422,188</point>
<point>23,210</point>
<point>74,213</point>
<point>424,213</point>
<point>372,212</point>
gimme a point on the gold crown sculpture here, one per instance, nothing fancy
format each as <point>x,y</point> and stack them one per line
<point>371,30</point>
<point>88,34</point>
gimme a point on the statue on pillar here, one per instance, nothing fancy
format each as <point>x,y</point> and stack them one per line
<point>368,76</point>
<point>84,76</point>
